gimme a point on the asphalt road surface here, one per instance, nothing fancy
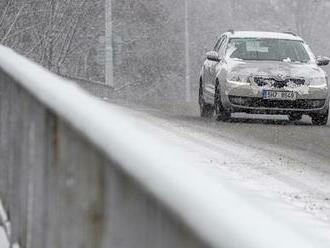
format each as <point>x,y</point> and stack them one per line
<point>288,162</point>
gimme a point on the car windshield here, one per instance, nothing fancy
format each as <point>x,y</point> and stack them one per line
<point>268,49</point>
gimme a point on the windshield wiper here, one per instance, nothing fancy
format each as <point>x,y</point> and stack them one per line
<point>300,61</point>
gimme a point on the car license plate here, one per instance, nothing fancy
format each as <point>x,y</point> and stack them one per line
<point>279,95</point>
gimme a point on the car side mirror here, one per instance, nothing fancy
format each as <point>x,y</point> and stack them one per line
<point>322,61</point>
<point>213,56</point>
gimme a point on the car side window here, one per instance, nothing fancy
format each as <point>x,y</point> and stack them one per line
<point>218,44</point>
<point>222,49</point>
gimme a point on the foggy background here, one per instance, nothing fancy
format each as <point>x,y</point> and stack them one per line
<point>148,38</point>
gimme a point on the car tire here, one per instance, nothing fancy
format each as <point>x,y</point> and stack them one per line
<point>221,113</point>
<point>320,119</point>
<point>206,110</point>
<point>295,117</point>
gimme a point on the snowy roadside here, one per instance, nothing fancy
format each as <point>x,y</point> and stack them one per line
<point>288,175</point>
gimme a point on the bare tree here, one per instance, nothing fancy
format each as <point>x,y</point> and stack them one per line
<point>55,33</point>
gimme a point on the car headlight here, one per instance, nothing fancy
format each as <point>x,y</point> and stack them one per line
<point>238,78</point>
<point>318,81</point>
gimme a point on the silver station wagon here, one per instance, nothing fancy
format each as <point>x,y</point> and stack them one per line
<point>264,73</point>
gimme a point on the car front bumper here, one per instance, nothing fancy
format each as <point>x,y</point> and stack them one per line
<point>248,98</point>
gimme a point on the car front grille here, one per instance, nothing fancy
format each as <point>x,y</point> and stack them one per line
<point>253,102</point>
<point>276,83</point>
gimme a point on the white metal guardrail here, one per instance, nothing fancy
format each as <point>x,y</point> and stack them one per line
<point>76,172</point>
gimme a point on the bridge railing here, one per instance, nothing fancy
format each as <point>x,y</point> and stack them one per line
<point>77,172</point>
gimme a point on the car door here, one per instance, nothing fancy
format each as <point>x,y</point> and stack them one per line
<point>210,73</point>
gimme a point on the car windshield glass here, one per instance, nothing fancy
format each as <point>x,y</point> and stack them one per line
<point>268,49</point>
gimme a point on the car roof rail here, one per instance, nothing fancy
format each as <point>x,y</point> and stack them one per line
<point>231,31</point>
<point>290,32</point>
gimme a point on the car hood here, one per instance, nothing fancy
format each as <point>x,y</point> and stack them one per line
<point>275,69</point>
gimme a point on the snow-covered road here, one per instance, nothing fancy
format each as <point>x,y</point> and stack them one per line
<point>285,162</point>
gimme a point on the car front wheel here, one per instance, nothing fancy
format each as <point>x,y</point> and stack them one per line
<point>221,113</point>
<point>206,110</point>
<point>320,119</point>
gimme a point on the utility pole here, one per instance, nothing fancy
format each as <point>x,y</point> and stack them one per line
<point>187,52</point>
<point>108,45</point>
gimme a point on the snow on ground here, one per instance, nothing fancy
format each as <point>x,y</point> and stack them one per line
<point>280,162</point>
